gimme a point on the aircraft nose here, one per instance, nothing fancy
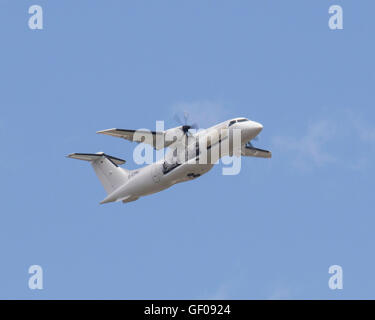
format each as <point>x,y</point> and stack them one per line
<point>251,129</point>
<point>257,127</point>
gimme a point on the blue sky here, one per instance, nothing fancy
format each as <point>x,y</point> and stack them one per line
<point>270,232</point>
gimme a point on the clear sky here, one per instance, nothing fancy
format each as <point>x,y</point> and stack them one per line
<point>270,232</point>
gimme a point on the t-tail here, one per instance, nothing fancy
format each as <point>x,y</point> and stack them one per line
<point>107,170</point>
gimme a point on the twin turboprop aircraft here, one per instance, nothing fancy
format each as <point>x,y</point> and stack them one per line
<point>190,155</point>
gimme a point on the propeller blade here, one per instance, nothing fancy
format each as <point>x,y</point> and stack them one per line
<point>184,123</point>
<point>178,119</point>
<point>186,117</point>
<point>194,126</point>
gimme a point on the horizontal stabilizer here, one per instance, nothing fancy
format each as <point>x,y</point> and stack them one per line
<point>95,156</point>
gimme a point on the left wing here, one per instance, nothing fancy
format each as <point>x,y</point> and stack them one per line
<point>155,139</point>
<point>251,151</point>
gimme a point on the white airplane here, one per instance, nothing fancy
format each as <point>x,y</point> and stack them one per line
<point>179,164</point>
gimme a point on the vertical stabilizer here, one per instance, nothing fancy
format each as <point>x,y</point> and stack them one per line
<point>106,168</point>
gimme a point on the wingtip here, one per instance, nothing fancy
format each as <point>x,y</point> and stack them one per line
<point>105,131</point>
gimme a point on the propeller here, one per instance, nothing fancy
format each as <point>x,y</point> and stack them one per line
<point>185,127</point>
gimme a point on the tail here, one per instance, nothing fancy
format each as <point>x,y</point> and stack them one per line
<point>106,168</point>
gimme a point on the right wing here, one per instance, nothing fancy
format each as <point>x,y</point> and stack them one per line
<point>155,139</point>
<point>250,151</point>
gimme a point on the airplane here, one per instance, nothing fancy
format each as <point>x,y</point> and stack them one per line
<point>181,163</point>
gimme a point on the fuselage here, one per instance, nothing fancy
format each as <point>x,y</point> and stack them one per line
<point>162,175</point>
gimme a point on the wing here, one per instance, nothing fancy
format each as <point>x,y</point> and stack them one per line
<point>155,139</point>
<point>250,151</point>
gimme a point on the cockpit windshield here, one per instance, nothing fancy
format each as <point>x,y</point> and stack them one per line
<point>238,120</point>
